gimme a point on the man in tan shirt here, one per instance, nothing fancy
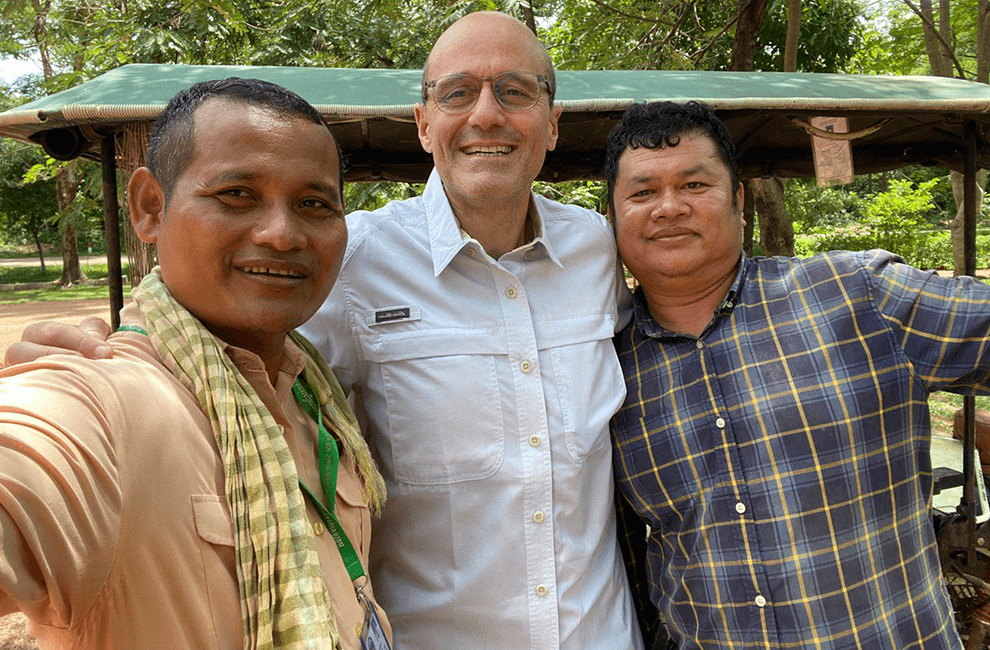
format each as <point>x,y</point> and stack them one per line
<point>154,500</point>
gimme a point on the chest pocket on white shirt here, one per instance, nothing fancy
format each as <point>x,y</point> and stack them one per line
<point>588,379</point>
<point>444,407</point>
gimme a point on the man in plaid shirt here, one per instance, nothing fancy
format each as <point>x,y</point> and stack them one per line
<point>775,435</point>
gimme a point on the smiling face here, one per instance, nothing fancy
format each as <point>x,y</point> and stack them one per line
<point>678,224</point>
<point>253,234</point>
<point>487,154</point>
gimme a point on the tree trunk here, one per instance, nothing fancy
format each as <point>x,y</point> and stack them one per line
<point>956,226</point>
<point>749,214</point>
<point>41,249</point>
<point>72,273</point>
<point>66,186</point>
<point>793,35</point>
<point>747,29</point>
<point>937,57</point>
<point>983,41</point>
<point>776,230</point>
<point>133,149</point>
<point>527,9</point>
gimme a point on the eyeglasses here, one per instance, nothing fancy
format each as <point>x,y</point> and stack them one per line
<point>514,91</point>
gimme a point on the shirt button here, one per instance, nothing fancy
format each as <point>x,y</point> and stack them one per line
<point>528,255</point>
<point>534,440</point>
<point>526,367</point>
<point>470,252</point>
<point>699,344</point>
<point>538,516</point>
<point>510,292</point>
<point>740,507</point>
<point>761,601</point>
<point>317,528</point>
<point>720,423</point>
<point>541,590</point>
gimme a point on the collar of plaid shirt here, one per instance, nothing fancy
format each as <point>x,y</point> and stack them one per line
<point>781,459</point>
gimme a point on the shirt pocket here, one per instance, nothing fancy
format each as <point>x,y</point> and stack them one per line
<point>444,408</point>
<point>213,524</point>
<point>352,510</point>
<point>588,378</point>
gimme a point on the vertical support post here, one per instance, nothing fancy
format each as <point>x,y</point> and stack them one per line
<point>969,402</point>
<point>111,227</point>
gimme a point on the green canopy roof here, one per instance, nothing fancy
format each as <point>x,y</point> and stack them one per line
<point>896,120</point>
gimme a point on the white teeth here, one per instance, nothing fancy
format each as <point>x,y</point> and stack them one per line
<point>487,150</point>
<point>267,271</point>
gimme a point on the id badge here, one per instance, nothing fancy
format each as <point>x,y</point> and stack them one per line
<point>372,634</point>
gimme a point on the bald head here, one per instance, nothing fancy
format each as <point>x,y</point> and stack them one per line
<point>465,33</point>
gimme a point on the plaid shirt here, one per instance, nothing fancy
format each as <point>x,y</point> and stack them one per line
<point>782,458</point>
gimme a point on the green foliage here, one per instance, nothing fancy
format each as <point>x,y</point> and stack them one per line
<point>638,34</point>
<point>907,219</point>
<point>27,209</point>
<point>371,196</point>
<point>592,195</point>
<point>894,41</point>
<point>818,211</point>
<point>831,34</point>
<point>650,35</point>
<point>894,215</point>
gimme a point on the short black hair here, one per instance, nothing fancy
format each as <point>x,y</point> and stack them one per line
<point>656,125</point>
<point>173,137</point>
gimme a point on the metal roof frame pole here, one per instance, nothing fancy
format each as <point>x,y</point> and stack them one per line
<point>969,402</point>
<point>111,227</point>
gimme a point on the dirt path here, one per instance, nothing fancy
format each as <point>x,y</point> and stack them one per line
<point>14,633</point>
<point>14,318</point>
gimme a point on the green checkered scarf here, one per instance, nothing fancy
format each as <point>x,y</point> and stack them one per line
<point>284,601</point>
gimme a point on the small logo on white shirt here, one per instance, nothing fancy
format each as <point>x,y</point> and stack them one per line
<point>396,314</point>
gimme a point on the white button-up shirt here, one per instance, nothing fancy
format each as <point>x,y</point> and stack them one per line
<point>487,387</point>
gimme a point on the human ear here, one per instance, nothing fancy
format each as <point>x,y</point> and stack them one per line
<point>146,200</point>
<point>553,127</point>
<point>423,127</point>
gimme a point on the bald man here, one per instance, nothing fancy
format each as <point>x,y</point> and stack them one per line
<point>474,324</point>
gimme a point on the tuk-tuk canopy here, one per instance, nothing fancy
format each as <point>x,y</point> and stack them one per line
<point>893,121</point>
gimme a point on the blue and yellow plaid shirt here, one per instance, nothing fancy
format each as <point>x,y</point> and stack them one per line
<point>782,458</point>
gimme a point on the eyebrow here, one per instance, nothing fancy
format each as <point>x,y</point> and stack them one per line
<point>646,178</point>
<point>244,177</point>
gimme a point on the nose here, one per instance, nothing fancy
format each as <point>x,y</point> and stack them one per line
<point>669,204</point>
<point>486,112</point>
<point>280,228</point>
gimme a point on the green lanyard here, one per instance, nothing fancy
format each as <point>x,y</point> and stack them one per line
<point>329,460</point>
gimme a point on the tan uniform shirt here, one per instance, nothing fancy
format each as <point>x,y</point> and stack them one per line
<point>114,527</point>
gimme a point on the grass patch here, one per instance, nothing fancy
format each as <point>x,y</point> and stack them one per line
<point>29,252</point>
<point>20,274</point>
<point>943,407</point>
<point>80,292</point>
<point>24,274</point>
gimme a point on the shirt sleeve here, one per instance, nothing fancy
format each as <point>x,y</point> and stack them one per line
<point>60,502</point>
<point>331,333</point>
<point>631,532</point>
<point>623,298</point>
<point>943,324</point>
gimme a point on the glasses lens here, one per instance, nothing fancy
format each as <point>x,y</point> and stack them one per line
<point>456,92</point>
<point>516,90</point>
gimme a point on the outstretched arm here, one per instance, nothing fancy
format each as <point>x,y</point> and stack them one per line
<point>88,339</point>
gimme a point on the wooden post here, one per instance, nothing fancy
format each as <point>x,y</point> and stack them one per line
<point>111,227</point>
